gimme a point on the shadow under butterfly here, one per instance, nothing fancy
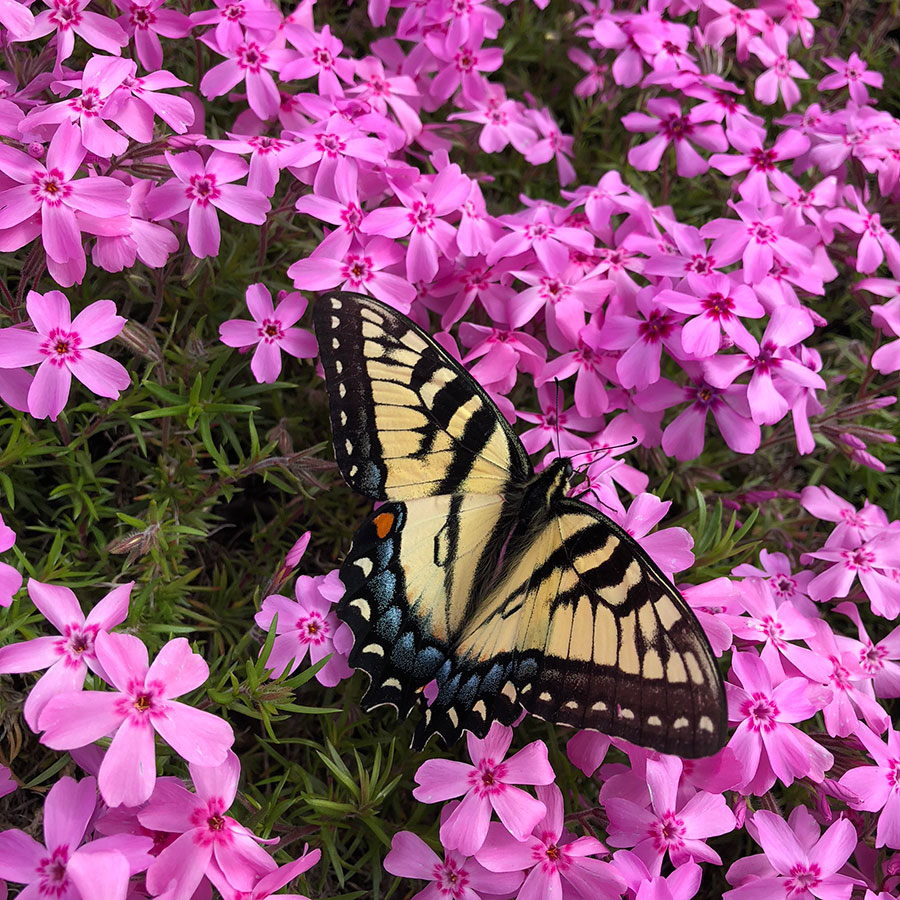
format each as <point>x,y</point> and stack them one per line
<point>483,575</point>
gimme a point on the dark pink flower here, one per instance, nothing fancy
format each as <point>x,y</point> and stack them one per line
<point>460,64</point>
<point>877,660</point>
<point>144,21</point>
<point>270,331</point>
<point>68,18</point>
<point>320,55</point>
<point>10,577</point>
<point>66,866</point>
<point>780,72</point>
<point>234,19</point>
<point>383,92</point>
<point>207,836</point>
<point>557,860</point>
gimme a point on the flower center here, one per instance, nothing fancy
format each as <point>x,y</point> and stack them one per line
<point>357,270</point>
<point>669,831</point>
<point>61,347</point>
<point>422,216</point>
<point>312,629</point>
<point>65,15</point>
<point>718,306</point>
<point>202,189</point>
<point>270,330</point>
<point>50,187</point>
<point>251,57</point>
<point>451,880</point>
<point>700,264</point>
<point>764,160</point>
<point>216,822</point>
<point>323,58</point>
<point>859,559</point>
<point>761,711</point>
<point>762,233</point>
<point>330,144</point>
<point>802,878</point>
<point>52,871</point>
<point>487,779</point>
<point>657,327</point>
<point>676,127</point>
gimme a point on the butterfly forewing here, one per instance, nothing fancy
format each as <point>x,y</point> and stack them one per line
<point>408,421</point>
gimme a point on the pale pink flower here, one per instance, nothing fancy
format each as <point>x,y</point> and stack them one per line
<point>552,144</point>
<point>460,65</point>
<point>504,121</point>
<point>454,878</point>
<point>268,883</point>
<point>207,836</point>
<point>877,660</point>
<point>141,705</point>
<point>780,72</point>
<point>62,347</point>
<point>383,93</point>
<point>139,99</point>
<point>875,241</point>
<point>66,866</point>
<point>68,657</point>
<point>852,73</point>
<point>201,188</point>
<point>681,884</point>
<point>270,331</point>
<point>726,19</point>
<point>487,784</point>
<point>853,526</point>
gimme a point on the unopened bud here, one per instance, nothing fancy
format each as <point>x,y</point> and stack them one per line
<point>35,149</point>
<point>140,340</point>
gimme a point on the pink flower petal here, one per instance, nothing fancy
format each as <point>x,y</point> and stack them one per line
<point>60,678</point>
<point>76,719</point>
<point>29,656</point>
<point>411,857</point>
<point>218,781</point>
<point>112,609</point>
<point>518,811</point>
<point>441,779</point>
<point>123,657</point>
<point>49,391</point>
<point>128,770</point>
<point>58,604</point>
<point>197,736</point>
<point>20,856</point>
<point>179,868</point>
<point>67,810</point>
<point>529,765</point>
<point>178,668</point>
<point>99,873</point>
<point>466,827</point>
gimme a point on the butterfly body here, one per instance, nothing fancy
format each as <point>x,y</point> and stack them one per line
<point>484,576</point>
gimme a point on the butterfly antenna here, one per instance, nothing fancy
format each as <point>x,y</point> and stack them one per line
<point>556,420</point>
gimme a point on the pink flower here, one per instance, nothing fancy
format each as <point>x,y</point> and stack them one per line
<point>202,188</point>
<point>488,784</point>
<point>52,193</point>
<point>642,337</point>
<point>320,55</point>
<point>759,163</point>
<point>558,860</point>
<point>65,866</point>
<point>504,122</point>
<point>878,787</point>
<point>141,705</point>
<point>383,92</point>
<point>144,21</point>
<point>62,347</point>
<point>209,841</point>
<point>251,63</point>
<point>139,99</point>
<point>7,782</point>
<point>10,577</point>
<point>681,884</point>
<point>781,70</point>
<point>799,870</point>
<point>461,64</point>
<point>852,73</point>
<point>68,657</point>
<point>717,303</point>
<point>270,331</point>
<point>16,17</point>
<point>271,882</point>
<point>101,77</point>
<point>673,126</point>
<point>875,242</point>
<point>853,527</point>
<point>420,217</point>
<point>308,625</point>
<point>456,878</point>
<point>787,327</point>
<point>260,19</point>
<point>757,240</point>
<point>877,660</point>
<point>68,18</point>
<point>731,19</point>
<point>553,143</point>
<point>678,824</point>
<point>765,742</point>
<point>361,269</point>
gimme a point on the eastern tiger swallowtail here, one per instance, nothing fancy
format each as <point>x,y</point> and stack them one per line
<point>485,576</point>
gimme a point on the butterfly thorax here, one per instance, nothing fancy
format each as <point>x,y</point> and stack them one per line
<point>545,490</point>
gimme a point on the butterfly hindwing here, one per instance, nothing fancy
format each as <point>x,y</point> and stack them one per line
<point>610,644</point>
<point>408,421</point>
<point>411,579</point>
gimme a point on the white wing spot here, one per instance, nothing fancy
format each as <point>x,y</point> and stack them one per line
<point>374,649</point>
<point>360,603</point>
<point>348,446</point>
<point>353,471</point>
<point>626,714</point>
<point>342,390</point>
<point>655,721</point>
<point>336,304</point>
<point>680,722</point>
<point>366,565</point>
<point>600,706</point>
<point>338,366</point>
<point>509,691</point>
<point>572,704</point>
<point>706,724</point>
<point>343,418</point>
<point>453,717</point>
<point>545,697</point>
<point>480,709</point>
<point>391,683</point>
<point>335,343</point>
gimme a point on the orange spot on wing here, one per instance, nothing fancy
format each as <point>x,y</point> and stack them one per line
<point>383,522</point>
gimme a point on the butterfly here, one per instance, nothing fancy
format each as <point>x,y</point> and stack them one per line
<point>484,576</point>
